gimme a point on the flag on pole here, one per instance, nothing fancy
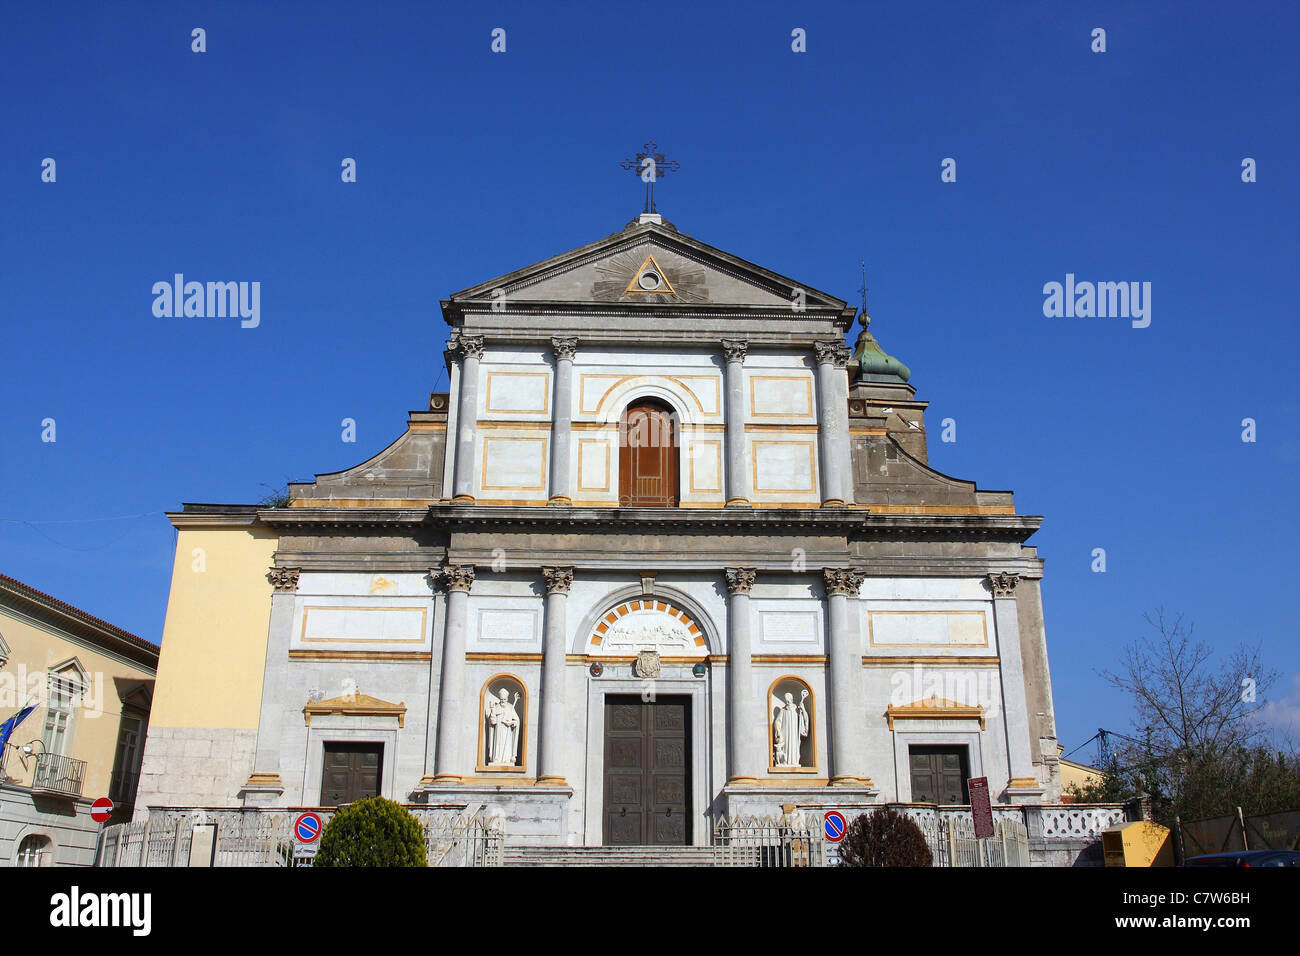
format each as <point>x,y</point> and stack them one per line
<point>8,726</point>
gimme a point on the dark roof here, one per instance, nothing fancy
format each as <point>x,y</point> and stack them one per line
<point>84,625</point>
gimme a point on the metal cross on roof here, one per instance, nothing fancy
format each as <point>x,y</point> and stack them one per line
<point>863,288</point>
<point>649,165</point>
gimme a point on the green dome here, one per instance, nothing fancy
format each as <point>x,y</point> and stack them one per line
<point>872,359</point>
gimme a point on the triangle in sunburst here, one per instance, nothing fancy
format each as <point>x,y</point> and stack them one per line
<point>664,288</point>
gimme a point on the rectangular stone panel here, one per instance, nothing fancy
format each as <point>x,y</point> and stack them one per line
<point>788,627</point>
<point>514,464</point>
<point>507,625</point>
<point>593,464</point>
<point>927,628</point>
<point>783,466</point>
<point>705,471</point>
<point>780,396</point>
<point>363,625</point>
<point>518,393</point>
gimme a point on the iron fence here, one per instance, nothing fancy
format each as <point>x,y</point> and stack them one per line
<point>257,837</point>
<point>793,840</point>
<point>1236,831</point>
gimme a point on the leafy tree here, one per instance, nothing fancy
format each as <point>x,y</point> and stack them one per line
<point>372,832</point>
<point>884,837</point>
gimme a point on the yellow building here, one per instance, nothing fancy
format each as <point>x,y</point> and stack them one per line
<point>92,687</point>
<point>1079,775</point>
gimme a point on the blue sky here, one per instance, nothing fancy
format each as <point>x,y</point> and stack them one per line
<point>1115,166</point>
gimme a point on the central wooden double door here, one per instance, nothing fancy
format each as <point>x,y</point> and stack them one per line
<point>939,775</point>
<point>647,771</point>
<point>350,772</point>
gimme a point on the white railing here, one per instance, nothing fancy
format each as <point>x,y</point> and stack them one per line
<point>794,840</point>
<point>950,834</point>
<point>466,840</point>
<point>265,838</point>
<point>1070,822</point>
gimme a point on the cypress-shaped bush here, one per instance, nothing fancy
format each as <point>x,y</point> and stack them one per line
<point>884,837</point>
<point>372,832</point>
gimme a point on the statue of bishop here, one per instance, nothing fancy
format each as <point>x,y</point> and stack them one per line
<point>789,727</point>
<point>503,728</point>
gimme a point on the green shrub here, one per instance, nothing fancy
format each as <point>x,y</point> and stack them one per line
<point>372,832</point>
<point>884,837</point>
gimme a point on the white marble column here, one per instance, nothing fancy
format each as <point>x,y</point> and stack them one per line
<point>1020,754</point>
<point>843,443</point>
<point>264,785</point>
<point>737,476</point>
<point>833,423</point>
<point>551,729</point>
<point>844,658</point>
<point>746,730</point>
<point>562,420</point>
<point>470,350</point>
<point>453,711</point>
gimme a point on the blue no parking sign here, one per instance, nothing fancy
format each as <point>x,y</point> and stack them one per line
<point>835,826</point>
<point>307,827</point>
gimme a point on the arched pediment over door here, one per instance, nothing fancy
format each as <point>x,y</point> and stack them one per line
<point>650,623</point>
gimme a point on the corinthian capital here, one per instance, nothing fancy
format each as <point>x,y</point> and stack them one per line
<point>1003,584</point>
<point>284,579</point>
<point>472,345</point>
<point>457,577</point>
<point>565,347</point>
<point>558,580</point>
<point>832,353</point>
<point>735,349</point>
<point>844,581</point>
<point>740,580</point>
<point>460,345</point>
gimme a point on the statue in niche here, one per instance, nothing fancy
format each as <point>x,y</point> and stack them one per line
<point>503,728</point>
<point>789,728</point>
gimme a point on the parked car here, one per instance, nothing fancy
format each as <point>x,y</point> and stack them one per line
<point>1247,858</point>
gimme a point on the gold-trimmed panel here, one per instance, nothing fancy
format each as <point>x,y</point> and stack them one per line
<point>984,627</point>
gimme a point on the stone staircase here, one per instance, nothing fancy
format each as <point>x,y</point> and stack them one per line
<point>609,856</point>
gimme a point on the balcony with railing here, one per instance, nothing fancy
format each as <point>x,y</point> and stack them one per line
<point>58,774</point>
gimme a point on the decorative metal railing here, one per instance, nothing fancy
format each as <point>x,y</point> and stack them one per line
<point>265,838</point>
<point>793,840</point>
<point>1083,822</point>
<point>56,773</point>
<point>950,834</point>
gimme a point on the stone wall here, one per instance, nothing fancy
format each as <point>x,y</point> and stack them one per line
<point>194,767</point>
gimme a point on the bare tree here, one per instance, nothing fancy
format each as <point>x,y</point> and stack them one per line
<point>1183,701</point>
<point>1197,720</point>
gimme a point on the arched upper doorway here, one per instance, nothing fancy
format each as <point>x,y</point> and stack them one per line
<point>647,455</point>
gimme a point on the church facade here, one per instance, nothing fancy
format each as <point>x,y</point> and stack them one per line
<point>666,551</point>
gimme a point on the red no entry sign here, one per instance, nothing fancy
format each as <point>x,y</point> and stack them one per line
<point>835,826</point>
<point>101,810</point>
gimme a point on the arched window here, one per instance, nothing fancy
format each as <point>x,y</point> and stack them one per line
<point>34,851</point>
<point>647,456</point>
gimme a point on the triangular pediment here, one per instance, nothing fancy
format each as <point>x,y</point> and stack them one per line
<point>356,705</point>
<point>614,270</point>
<point>934,707</point>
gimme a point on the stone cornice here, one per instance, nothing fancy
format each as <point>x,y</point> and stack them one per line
<point>858,524</point>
